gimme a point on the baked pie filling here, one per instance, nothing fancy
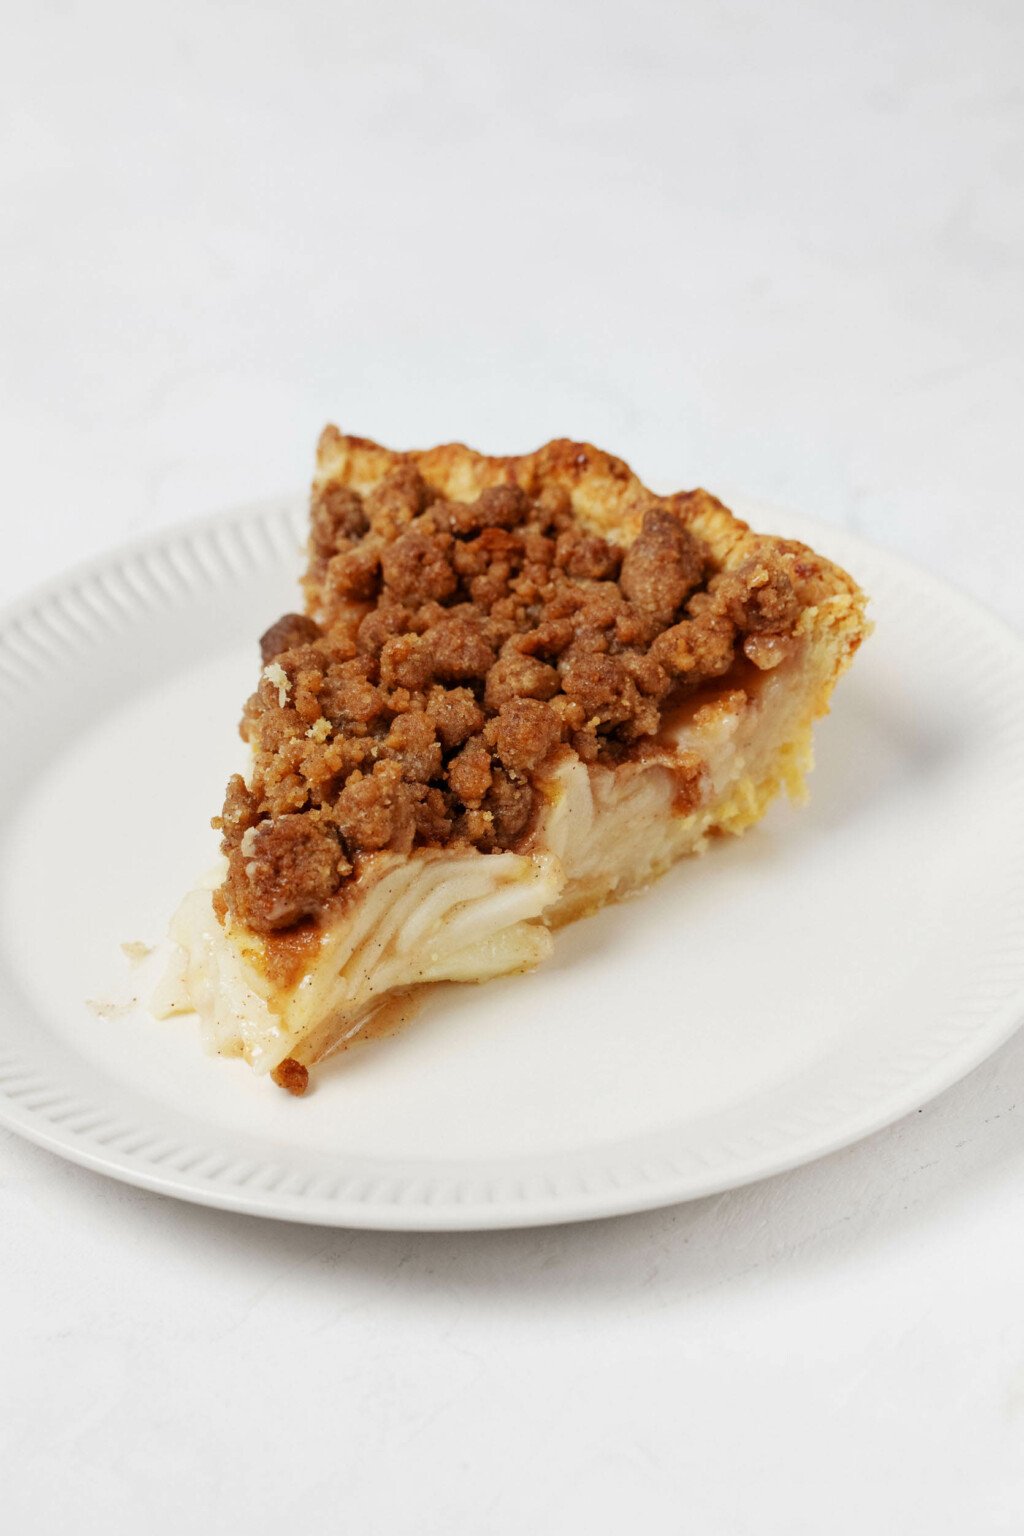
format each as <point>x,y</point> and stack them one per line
<point>521,688</point>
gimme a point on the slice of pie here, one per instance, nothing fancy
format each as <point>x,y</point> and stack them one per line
<point>521,688</point>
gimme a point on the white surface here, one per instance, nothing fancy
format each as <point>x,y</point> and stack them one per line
<point>758,1008</point>
<point>779,246</point>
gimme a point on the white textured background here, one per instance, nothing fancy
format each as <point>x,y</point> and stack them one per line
<point>772,248</point>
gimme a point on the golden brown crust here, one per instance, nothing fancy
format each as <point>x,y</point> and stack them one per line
<point>603,490</point>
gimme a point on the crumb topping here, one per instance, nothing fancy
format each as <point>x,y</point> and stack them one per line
<point>450,647</point>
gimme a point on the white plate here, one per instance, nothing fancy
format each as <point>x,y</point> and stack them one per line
<point>788,993</point>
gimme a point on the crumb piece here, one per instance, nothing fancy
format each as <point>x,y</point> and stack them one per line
<point>136,950</point>
<point>276,675</point>
<point>319,730</point>
<point>284,870</point>
<point>107,1008</point>
<point>291,630</point>
<point>292,1076</point>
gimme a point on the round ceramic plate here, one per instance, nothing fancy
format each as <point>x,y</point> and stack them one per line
<point>786,994</point>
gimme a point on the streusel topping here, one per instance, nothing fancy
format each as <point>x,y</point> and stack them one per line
<point>449,649</point>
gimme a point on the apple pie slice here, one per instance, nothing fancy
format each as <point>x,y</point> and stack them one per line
<point>521,688</point>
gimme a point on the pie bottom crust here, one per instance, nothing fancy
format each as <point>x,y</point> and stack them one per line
<point>603,833</point>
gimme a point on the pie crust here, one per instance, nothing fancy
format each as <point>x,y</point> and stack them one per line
<point>610,811</point>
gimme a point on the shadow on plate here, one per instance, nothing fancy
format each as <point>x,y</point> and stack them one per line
<point>869,1196</point>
